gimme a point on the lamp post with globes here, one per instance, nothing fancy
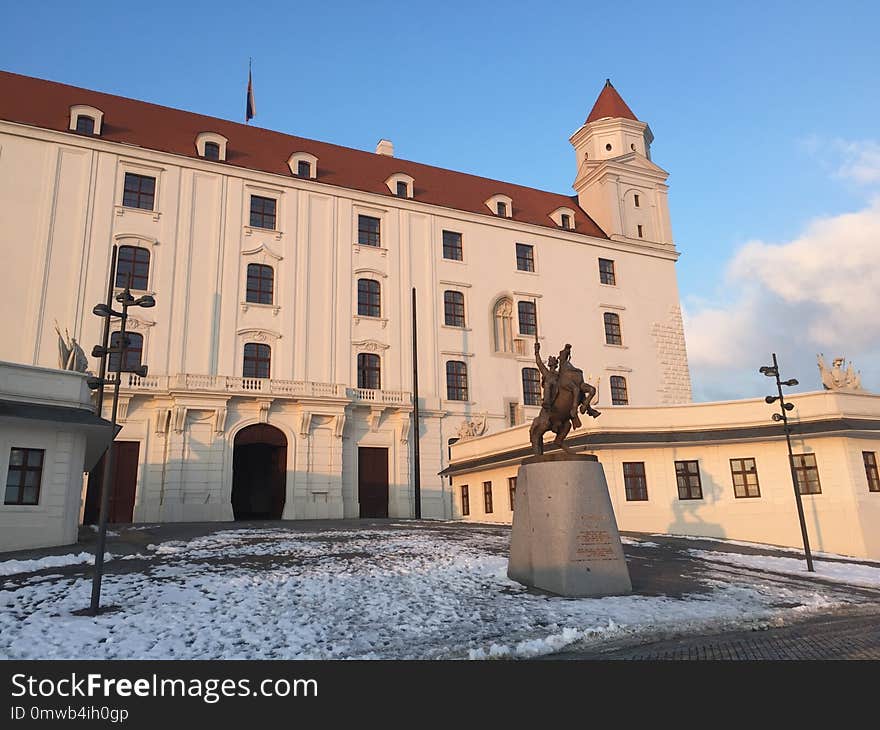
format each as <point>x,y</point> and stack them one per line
<point>772,371</point>
<point>118,364</point>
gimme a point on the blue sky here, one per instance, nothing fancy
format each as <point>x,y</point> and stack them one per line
<point>764,113</point>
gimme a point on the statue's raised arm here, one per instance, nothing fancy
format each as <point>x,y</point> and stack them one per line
<point>541,366</point>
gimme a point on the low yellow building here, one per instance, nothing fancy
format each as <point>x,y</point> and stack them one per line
<point>710,469</point>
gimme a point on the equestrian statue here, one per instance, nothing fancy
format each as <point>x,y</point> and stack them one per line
<point>564,393</point>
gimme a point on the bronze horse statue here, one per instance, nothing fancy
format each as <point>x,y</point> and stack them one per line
<point>564,393</point>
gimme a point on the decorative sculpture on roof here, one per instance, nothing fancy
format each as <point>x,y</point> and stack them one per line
<point>564,393</point>
<point>838,378</point>
<point>70,354</point>
<point>472,429</point>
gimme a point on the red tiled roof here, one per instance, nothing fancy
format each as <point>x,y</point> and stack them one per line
<point>46,104</point>
<point>610,104</point>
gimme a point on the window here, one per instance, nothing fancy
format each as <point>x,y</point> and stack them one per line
<point>687,474</point>
<point>369,298</point>
<point>304,168</point>
<point>465,501</point>
<point>132,267</point>
<point>487,497</point>
<point>634,481</point>
<point>636,199</point>
<point>134,351</point>
<point>260,284</point>
<point>513,413</point>
<point>452,246</point>
<point>640,231</point>
<point>870,459</point>
<point>531,382</point>
<point>368,231</point>
<point>212,151</point>
<point>257,360</point>
<point>511,491</point>
<point>807,474</point>
<point>138,191</point>
<point>619,395</point>
<point>263,212</point>
<point>402,189</point>
<point>745,478</point>
<point>456,380</point>
<point>501,208</point>
<point>453,308</point>
<point>612,329</point>
<point>85,125</point>
<point>369,371</point>
<point>525,257</point>
<point>24,476</point>
<point>606,272</point>
<point>528,320</point>
<point>566,221</point>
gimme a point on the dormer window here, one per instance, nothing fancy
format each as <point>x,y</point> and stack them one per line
<point>303,165</point>
<point>564,218</point>
<point>85,124</point>
<point>500,205</point>
<point>211,146</point>
<point>401,185</point>
<point>86,119</point>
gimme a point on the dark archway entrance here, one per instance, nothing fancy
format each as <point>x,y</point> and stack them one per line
<point>259,473</point>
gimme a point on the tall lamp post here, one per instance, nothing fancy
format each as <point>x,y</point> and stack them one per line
<point>119,349</point>
<point>772,371</point>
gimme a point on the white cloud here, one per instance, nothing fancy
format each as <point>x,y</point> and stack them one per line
<point>861,161</point>
<point>817,293</point>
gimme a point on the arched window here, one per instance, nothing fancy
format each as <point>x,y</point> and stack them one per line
<point>503,316</point>
<point>453,308</point>
<point>528,319</point>
<point>212,151</point>
<point>257,361</point>
<point>260,284</point>
<point>133,267</point>
<point>456,380</point>
<point>369,371</point>
<point>531,382</point>
<point>369,298</point>
<point>612,329</point>
<point>619,396</point>
<point>133,352</point>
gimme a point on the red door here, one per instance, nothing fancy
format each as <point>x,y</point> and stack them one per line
<point>373,482</point>
<point>121,506</point>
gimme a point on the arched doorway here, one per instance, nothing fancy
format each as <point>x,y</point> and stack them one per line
<point>259,471</point>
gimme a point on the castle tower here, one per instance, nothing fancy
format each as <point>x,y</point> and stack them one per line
<point>616,183</point>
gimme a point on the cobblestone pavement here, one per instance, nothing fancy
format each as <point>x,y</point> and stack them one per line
<point>836,637</point>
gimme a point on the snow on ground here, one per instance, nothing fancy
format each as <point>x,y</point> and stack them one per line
<point>852,574</point>
<point>12,567</point>
<point>764,546</point>
<point>407,592</point>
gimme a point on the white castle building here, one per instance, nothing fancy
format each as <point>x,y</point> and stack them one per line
<point>280,348</point>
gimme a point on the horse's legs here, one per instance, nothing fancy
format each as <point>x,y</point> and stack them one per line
<point>536,435</point>
<point>560,437</point>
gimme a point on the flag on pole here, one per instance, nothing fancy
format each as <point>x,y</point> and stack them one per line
<point>251,109</point>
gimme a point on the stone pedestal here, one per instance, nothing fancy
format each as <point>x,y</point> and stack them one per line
<point>565,538</point>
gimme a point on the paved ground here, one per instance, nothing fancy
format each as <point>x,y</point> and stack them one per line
<point>665,568</point>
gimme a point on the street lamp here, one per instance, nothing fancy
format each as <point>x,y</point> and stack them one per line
<point>772,371</point>
<point>120,350</point>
